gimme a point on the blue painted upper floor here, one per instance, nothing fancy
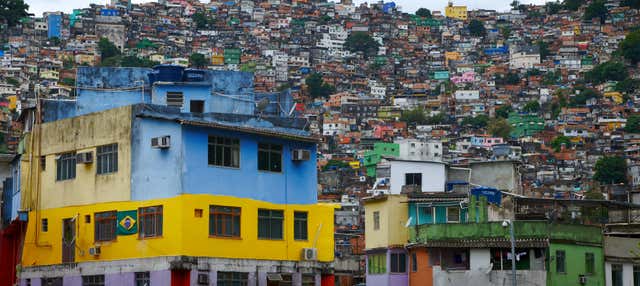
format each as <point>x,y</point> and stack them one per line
<point>189,90</point>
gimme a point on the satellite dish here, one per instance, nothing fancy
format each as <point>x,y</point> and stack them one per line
<point>408,223</point>
<point>262,105</point>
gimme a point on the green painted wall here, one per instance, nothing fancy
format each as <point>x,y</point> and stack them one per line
<point>373,157</point>
<point>525,124</point>
<point>575,265</point>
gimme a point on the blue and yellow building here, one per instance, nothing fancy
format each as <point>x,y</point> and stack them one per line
<point>170,178</point>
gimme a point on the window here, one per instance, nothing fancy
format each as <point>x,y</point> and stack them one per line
<point>636,275</point>
<point>398,263</point>
<point>224,152</point>
<point>453,214</point>
<point>66,166</point>
<point>224,221</point>
<point>45,225</point>
<point>196,106</point>
<point>232,278</point>
<point>175,99</point>
<point>560,261</point>
<point>143,279</point>
<point>616,275</point>
<point>589,263</point>
<point>105,226</point>
<point>270,224</point>
<point>51,281</point>
<point>414,262</point>
<point>413,179</point>
<point>43,163</point>
<point>107,159</point>
<point>377,263</point>
<point>269,157</point>
<point>300,226</point>
<point>376,220</point>
<point>150,221</point>
<point>93,280</point>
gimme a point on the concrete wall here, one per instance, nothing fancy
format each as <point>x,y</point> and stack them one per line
<point>498,174</point>
<point>434,175</point>
<point>393,217</point>
<point>488,278</point>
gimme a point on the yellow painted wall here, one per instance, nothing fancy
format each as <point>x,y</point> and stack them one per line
<point>393,217</point>
<point>183,233</point>
<point>13,102</point>
<point>82,134</point>
<point>456,12</point>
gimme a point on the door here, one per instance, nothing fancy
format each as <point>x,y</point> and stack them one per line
<point>68,240</point>
<point>180,277</point>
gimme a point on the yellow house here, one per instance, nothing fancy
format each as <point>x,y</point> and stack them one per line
<point>615,96</point>
<point>385,220</point>
<point>456,12</point>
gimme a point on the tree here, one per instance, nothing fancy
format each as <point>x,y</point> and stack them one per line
<point>317,87</point>
<point>499,127</point>
<point>133,61</point>
<point>503,111</point>
<point>202,20</point>
<point>611,170</point>
<point>505,31</point>
<point>553,8</point>
<point>596,9</point>
<point>362,42</point>
<point>628,85</point>
<point>436,119</point>
<point>510,78</point>
<point>107,49</point>
<point>633,124</point>
<point>479,121</point>
<point>582,97</point>
<point>532,106</point>
<point>572,5</point>
<point>414,116</point>
<point>515,4</point>
<point>544,49</point>
<point>13,81</point>
<point>197,60</point>
<point>476,28</point>
<point>635,4</point>
<point>630,47</point>
<point>424,13</point>
<point>557,142</point>
<point>12,11</point>
<point>608,71</point>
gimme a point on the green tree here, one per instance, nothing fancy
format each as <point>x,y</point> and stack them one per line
<point>614,71</point>
<point>573,5</point>
<point>532,106</point>
<point>505,31</point>
<point>133,61</point>
<point>107,49</point>
<point>316,86</point>
<point>582,97</point>
<point>553,8</point>
<point>503,111</point>
<point>202,20</point>
<point>12,11</point>
<point>596,9</point>
<point>630,47</point>
<point>12,81</point>
<point>476,28</point>
<point>557,142</point>
<point>633,124</point>
<point>628,85</point>
<point>424,13</point>
<point>611,170</point>
<point>635,4</point>
<point>499,127</point>
<point>544,49</point>
<point>436,119</point>
<point>479,121</point>
<point>508,79</point>
<point>414,116</point>
<point>362,42</point>
<point>197,60</point>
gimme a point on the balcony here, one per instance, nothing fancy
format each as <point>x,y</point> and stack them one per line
<point>493,234</point>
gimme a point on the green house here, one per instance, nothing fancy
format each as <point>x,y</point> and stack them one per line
<point>525,124</point>
<point>373,157</point>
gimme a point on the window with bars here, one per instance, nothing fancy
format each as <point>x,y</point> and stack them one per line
<point>269,157</point>
<point>93,280</point>
<point>300,226</point>
<point>413,179</point>
<point>270,224</point>
<point>561,267</point>
<point>589,263</point>
<point>66,166</point>
<point>105,226</point>
<point>398,263</point>
<point>376,220</point>
<point>224,221</point>
<point>224,152</point>
<point>150,221</point>
<point>175,99</point>
<point>232,278</point>
<point>453,214</point>
<point>143,279</point>
<point>107,158</point>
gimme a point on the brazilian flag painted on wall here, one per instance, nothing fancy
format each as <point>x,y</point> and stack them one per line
<point>127,222</point>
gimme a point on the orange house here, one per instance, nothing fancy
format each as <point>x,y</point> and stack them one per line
<point>420,273</point>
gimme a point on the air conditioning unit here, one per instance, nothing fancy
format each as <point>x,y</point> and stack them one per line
<point>363,179</point>
<point>582,279</point>
<point>161,142</point>
<point>84,158</point>
<point>203,278</point>
<point>94,250</point>
<point>310,254</point>
<point>301,155</point>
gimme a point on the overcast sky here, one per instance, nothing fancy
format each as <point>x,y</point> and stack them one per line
<point>37,7</point>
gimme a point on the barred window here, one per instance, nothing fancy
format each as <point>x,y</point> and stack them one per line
<point>105,226</point>
<point>107,158</point>
<point>224,221</point>
<point>224,151</point>
<point>398,262</point>
<point>269,157</point>
<point>66,166</point>
<point>300,226</point>
<point>93,280</point>
<point>175,98</point>
<point>150,221</point>
<point>270,224</point>
<point>143,279</point>
<point>232,278</point>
